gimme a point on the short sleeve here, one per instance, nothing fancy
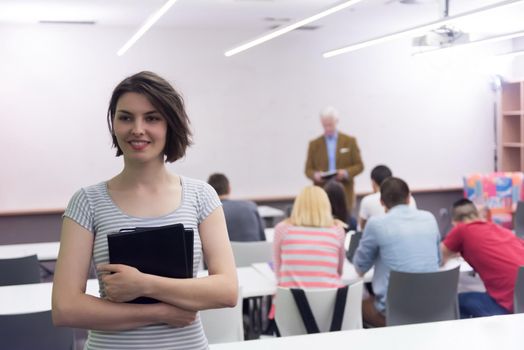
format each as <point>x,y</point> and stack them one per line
<point>79,210</point>
<point>453,240</point>
<point>363,212</point>
<point>208,201</point>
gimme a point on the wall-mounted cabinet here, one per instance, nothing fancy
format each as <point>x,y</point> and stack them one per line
<point>512,127</point>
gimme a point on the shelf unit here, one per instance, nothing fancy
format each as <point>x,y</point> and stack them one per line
<point>512,127</point>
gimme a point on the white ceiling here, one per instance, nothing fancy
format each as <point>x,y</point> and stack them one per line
<point>254,16</point>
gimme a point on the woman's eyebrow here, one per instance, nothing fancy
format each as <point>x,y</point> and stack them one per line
<point>154,111</point>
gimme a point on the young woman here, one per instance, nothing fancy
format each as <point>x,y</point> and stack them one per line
<point>309,246</point>
<point>149,127</point>
<point>337,199</point>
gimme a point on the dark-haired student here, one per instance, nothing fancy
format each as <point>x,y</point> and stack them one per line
<point>149,127</point>
<point>337,199</point>
<point>244,223</point>
<point>404,239</point>
<point>370,205</point>
<point>493,251</point>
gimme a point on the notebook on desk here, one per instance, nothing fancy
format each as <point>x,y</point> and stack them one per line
<point>163,251</point>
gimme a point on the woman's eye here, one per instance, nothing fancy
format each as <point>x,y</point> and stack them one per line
<point>124,118</point>
<point>153,118</point>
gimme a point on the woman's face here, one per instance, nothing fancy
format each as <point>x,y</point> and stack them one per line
<point>139,128</point>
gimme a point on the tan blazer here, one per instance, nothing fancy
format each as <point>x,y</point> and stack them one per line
<point>347,157</point>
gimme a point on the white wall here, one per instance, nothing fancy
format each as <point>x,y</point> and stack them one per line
<point>430,119</point>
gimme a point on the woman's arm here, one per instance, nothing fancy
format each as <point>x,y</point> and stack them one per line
<point>280,230</point>
<point>72,307</point>
<point>219,289</point>
<point>341,251</point>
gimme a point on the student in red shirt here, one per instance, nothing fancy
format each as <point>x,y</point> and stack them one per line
<point>493,251</point>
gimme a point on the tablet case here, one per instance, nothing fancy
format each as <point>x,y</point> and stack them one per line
<point>163,251</point>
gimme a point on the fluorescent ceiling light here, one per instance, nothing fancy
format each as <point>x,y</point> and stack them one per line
<point>475,42</point>
<point>145,27</point>
<point>416,30</point>
<point>280,31</point>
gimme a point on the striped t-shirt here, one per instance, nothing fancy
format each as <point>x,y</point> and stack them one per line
<point>93,209</point>
<point>308,257</point>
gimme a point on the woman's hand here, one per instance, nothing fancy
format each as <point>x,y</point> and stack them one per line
<point>121,282</point>
<point>175,316</point>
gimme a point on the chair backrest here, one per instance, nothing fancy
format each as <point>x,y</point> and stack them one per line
<point>518,293</point>
<point>224,325</point>
<point>422,297</point>
<point>247,253</point>
<point>34,331</point>
<point>22,270</point>
<point>322,303</point>
<point>353,244</point>
<point>519,219</point>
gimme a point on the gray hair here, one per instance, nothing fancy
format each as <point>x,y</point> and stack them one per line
<point>329,111</point>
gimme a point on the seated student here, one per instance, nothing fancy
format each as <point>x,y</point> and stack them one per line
<point>243,221</point>
<point>404,239</point>
<point>309,246</point>
<point>493,251</point>
<point>370,205</point>
<point>337,199</point>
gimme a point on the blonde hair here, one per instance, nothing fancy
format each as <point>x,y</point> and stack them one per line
<point>312,208</point>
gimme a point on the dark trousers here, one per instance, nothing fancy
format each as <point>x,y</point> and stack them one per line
<point>478,304</point>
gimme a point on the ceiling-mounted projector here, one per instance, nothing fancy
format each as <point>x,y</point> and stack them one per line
<point>444,36</point>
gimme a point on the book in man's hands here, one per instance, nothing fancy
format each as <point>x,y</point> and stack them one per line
<point>163,251</point>
<point>326,175</point>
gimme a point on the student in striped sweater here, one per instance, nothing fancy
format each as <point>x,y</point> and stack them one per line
<point>309,246</point>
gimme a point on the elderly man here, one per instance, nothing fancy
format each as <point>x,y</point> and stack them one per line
<point>334,155</point>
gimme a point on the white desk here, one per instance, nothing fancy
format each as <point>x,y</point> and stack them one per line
<point>266,211</point>
<point>270,233</point>
<point>36,297</point>
<point>27,298</point>
<point>252,282</point>
<point>46,251</point>
<point>484,333</point>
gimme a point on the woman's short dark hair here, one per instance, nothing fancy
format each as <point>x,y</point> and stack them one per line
<point>166,100</point>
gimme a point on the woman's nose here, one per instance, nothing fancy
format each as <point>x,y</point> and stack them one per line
<point>138,127</point>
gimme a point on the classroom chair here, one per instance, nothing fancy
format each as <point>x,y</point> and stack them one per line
<point>34,331</point>
<point>519,220</point>
<point>23,270</point>
<point>422,297</point>
<point>247,253</point>
<point>518,292</point>
<point>322,304</point>
<point>224,325</point>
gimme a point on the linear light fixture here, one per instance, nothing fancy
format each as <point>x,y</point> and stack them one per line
<point>475,42</point>
<point>280,31</point>
<point>416,30</point>
<point>145,27</point>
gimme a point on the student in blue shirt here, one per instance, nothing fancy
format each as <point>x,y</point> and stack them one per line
<point>404,239</point>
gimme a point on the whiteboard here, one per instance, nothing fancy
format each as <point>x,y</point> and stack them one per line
<point>252,114</point>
